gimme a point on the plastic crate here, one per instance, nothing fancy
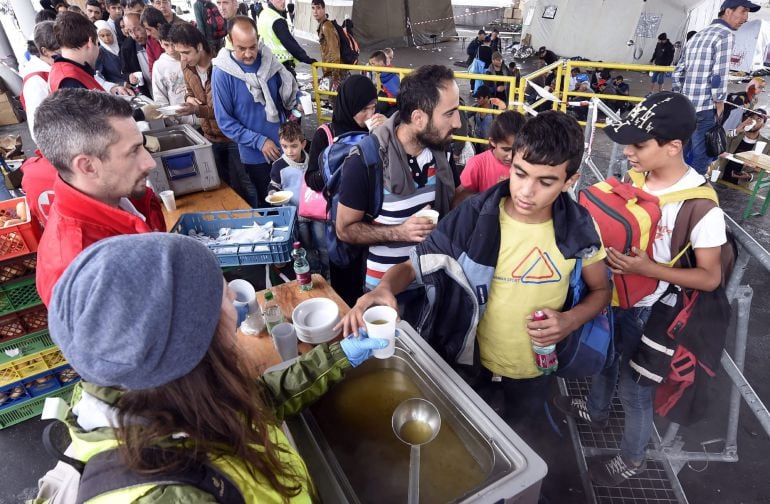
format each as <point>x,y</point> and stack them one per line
<point>36,386</point>
<point>20,239</point>
<point>17,267</point>
<point>23,323</point>
<point>18,295</point>
<point>240,254</point>
<point>31,407</point>
<point>26,345</point>
<point>31,365</point>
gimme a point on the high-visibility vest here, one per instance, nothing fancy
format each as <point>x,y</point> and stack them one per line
<point>265,21</point>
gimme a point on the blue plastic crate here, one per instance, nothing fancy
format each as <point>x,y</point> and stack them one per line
<point>240,254</point>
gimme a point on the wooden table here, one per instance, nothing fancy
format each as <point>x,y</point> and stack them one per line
<point>761,161</point>
<point>260,349</point>
<point>218,200</point>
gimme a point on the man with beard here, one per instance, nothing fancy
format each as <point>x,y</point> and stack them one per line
<point>416,173</point>
<point>101,163</point>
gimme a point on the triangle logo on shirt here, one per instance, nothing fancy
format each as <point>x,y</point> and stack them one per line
<point>536,268</point>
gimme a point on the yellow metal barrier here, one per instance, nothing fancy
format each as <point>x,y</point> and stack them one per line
<point>402,72</point>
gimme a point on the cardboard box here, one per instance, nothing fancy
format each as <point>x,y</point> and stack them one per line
<point>7,114</point>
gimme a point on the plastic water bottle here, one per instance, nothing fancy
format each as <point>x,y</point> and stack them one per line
<point>302,268</point>
<point>271,312</point>
<point>545,357</point>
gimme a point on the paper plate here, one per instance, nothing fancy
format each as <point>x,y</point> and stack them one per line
<point>279,197</point>
<point>170,110</point>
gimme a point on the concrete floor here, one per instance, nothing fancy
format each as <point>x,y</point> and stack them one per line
<point>717,483</point>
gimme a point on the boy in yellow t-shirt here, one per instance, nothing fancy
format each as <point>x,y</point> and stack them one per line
<point>497,258</point>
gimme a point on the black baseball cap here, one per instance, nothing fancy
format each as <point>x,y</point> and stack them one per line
<point>734,4</point>
<point>665,115</point>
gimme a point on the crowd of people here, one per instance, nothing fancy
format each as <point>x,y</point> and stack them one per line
<point>507,240</point>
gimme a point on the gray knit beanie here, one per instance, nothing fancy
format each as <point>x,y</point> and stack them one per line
<point>137,311</point>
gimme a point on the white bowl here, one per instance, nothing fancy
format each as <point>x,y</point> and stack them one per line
<point>314,320</point>
<point>279,198</point>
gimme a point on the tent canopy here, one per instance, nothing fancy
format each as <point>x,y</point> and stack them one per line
<point>378,23</point>
<point>750,46</point>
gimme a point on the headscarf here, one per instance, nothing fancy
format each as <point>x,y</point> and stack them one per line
<point>354,94</point>
<point>114,48</point>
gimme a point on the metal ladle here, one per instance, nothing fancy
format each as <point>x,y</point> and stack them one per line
<point>429,423</point>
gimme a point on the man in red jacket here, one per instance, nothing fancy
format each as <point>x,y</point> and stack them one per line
<point>101,162</point>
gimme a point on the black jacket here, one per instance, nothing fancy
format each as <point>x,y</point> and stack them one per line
<point>664,54</point>
<point>131,63</point>
<point>111,67</point>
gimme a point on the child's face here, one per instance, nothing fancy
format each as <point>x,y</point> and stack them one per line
<point>534,188</point>
<point>293,149</point>
<point>649,156</point>
<point>168,47</point>
<point>503,150</point>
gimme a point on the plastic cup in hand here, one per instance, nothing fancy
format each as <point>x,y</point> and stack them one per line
<point>759,146</point>
<point>285,340</point>
<point>428,214</point>
<point>381,323</point>
<point>369,123</point>
<point>139,78</point>
<point>715,175</point>
<point>245,296</point>
<point>167,197</point>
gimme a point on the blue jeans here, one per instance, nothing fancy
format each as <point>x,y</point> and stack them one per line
<point>695,153</point>
<point>231,170</point>
<point>637,400</point>
<point>312,234</point>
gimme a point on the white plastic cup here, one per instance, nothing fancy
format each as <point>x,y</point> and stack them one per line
<point>715,175</point>
<point>759,146</point>
<point>285,340</point>
<point>167,197</point>
<point>139,78</point>
<point>385,329</point>
<point>245,295</point>
<point>428,214</point>
<point>369,123</point>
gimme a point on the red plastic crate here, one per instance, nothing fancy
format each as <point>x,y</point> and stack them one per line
<point>17,267</point>
<point>21,323</point>
<point>19,239</point>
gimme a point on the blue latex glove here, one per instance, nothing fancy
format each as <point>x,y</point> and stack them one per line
<point>359,348</point>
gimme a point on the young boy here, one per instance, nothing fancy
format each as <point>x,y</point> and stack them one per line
<point>287,174</point>
<point>484,170</point>
<point>482,122</point>
<point>390,84</point>
<point>654,134</point>
<point>499,257</point>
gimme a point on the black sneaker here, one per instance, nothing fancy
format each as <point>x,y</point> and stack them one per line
<point>576,407</point>
<point>610,472</point>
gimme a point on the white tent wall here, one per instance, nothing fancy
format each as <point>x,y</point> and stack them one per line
<point>750,46</point>
<point>600,29</point>
<point>304,24</point>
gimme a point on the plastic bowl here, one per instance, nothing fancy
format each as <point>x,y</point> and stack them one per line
<point>314,320</point>
<point>279,197</point>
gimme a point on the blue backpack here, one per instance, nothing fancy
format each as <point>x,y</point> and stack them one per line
<point>331,160</point>
<point>586,351</point>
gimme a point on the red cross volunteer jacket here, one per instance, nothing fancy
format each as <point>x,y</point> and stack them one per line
<point>76,221</point>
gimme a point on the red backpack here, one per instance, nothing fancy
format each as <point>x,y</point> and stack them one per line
<point>627,217</point>
<point>215,23</point>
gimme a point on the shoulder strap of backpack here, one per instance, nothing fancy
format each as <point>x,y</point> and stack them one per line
<point>328,130</point>
<point>702,192</point>
<point>105,473</point>
<point>369,147</point>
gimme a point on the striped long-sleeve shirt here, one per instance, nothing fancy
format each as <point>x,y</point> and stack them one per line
<point>702,71</point>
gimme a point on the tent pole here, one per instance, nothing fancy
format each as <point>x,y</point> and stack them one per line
<point>409,34</point>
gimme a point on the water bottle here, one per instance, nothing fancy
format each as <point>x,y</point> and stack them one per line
<point>302,268</point>
<point>545,357</point>
<point>271,312</point>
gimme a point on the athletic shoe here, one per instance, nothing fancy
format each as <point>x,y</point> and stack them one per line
<point>613,471</point>
<point>576,407</point>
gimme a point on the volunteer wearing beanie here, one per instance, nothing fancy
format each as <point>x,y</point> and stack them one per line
<point>149,323</point>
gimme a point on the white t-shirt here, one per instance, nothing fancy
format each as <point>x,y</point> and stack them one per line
<point>708,232</point>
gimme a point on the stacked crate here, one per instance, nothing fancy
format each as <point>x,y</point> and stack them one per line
<point>32,368</point>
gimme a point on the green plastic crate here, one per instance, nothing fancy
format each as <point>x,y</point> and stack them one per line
<point>30,344</point>
<point>32,408</point>
<point>18,295</point>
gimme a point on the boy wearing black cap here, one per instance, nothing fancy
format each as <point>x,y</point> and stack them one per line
<point>654,134</point>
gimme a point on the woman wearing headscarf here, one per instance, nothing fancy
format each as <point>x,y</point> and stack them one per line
<point>167,390</point>
<point>108,63</point>
<point>354,105</point>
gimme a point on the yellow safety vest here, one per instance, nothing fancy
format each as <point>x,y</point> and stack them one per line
<point>265,22</point>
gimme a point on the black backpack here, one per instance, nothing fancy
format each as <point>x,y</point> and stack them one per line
<point>215,23</point>
<point>349,49</point>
